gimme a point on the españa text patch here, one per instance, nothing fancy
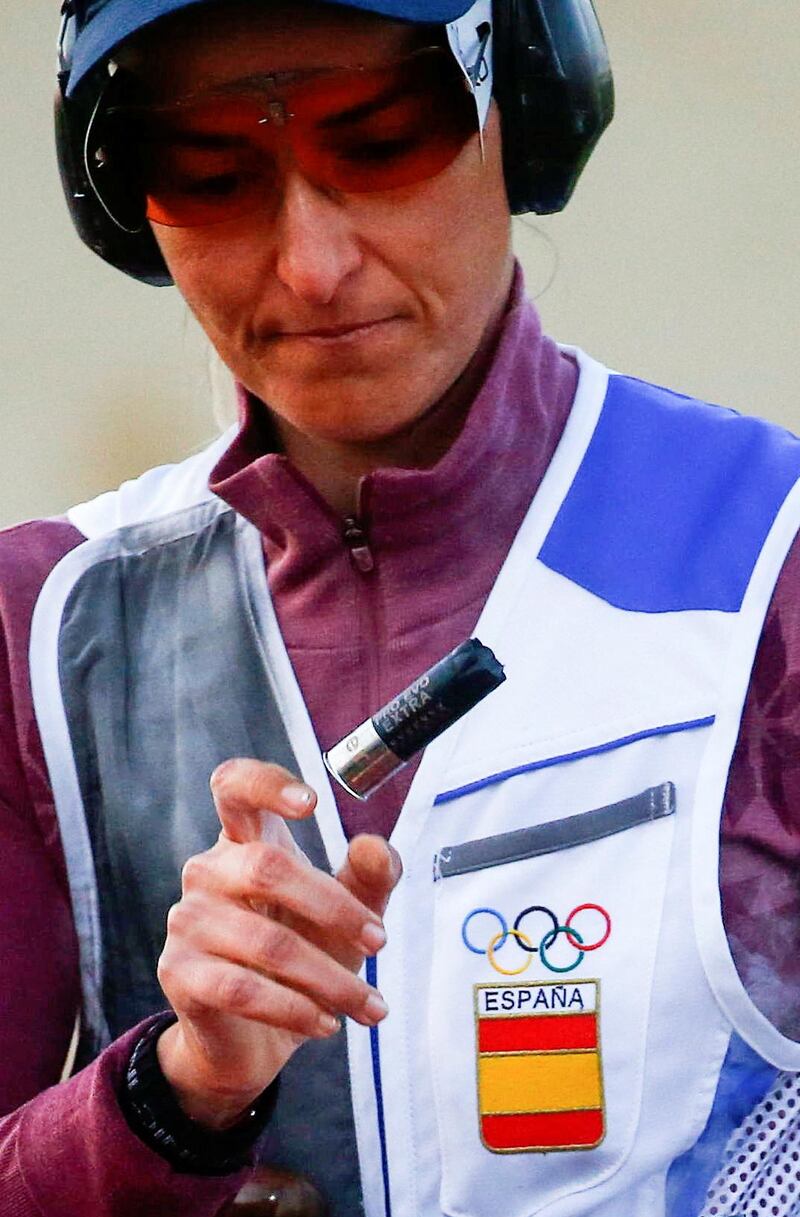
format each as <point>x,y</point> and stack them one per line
<point>540,1083</point>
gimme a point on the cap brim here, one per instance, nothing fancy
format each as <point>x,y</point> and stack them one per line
<point>119,19</point>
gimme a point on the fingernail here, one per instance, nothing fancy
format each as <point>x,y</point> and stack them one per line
<point>297,796</point>
<point>373,937</point>
<point>221,772</point>
<point>375,1007</point>
<point>397,861</point>
<point>329,1025</point>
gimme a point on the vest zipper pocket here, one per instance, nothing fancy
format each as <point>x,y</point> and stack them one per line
<point>535,840</point>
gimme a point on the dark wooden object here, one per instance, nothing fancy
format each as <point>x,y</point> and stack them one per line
<point>274,1193</point>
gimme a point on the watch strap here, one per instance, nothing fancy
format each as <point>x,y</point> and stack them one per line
<point>153,1112</point>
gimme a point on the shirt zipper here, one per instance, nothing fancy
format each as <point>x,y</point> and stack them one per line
<point>355,534</point>
<point>355,538</point>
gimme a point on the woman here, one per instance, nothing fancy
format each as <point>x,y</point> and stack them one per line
<point>328,188</point>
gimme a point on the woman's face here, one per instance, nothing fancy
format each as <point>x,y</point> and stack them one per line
<point>349,314</point>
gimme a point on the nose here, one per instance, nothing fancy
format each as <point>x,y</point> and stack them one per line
<point>317,246</point>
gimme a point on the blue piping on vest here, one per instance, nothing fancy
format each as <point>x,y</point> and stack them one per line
<point>372,979</point>
<point>447,796</point>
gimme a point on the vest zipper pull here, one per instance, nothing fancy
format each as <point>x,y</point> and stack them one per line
<point>355,538</point>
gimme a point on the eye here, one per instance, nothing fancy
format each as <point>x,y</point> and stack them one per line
<point>377,151</point>
<point>216,186</point>
<point>384,138</point>
<point>199,173</point>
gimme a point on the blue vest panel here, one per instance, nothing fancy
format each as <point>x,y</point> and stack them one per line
<point>642,526</point>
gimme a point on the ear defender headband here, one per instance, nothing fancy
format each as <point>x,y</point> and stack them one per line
<point>544,61</point>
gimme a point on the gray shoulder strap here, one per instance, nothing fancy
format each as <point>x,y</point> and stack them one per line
<point>163,676</point>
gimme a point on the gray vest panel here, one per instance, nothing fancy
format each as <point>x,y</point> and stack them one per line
<point>163,677</point>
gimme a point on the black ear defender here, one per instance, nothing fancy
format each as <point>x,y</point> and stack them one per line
<point>128,242</point>
<point>551,79</point>
<point>555,92</point>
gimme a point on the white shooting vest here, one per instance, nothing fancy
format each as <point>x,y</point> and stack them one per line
<point>568,1034</point>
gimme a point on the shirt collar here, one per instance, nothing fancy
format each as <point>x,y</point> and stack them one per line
<point>507,439</point>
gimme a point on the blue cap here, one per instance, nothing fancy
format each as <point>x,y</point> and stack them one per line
<point>103,24</point>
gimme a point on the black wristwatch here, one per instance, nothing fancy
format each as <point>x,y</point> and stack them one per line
<point>152,1111</point>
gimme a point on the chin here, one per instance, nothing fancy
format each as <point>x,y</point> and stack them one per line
<point>345,414</point>
<point>352,431</point>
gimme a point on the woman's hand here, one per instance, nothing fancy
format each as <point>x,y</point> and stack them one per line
<point>262,950</point>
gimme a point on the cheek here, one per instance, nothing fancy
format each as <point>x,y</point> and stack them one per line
<point>455,233</point>
<point>458,245</point>
<point>215,272</point>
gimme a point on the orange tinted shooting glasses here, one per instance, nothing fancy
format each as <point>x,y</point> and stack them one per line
<point>219,155</point>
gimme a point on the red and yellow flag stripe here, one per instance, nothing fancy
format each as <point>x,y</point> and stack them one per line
<point>540,1081</point>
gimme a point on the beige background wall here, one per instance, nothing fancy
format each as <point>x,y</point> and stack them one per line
<point>677,260</point>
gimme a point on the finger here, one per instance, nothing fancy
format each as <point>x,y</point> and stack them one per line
<point>262,874</point>
<point>203,986</point>
<point>279,952</point>
<point>244,790</point>
<point>371,871</point>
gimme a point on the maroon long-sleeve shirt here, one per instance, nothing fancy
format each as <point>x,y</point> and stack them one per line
<point>437,538</point>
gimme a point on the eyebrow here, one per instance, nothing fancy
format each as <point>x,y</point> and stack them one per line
<point>187,138</point>
<point>365,109</point>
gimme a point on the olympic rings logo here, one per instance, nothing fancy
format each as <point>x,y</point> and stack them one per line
<point>546,942</point>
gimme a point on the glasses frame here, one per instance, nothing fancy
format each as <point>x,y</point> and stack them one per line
<point>111,103</point>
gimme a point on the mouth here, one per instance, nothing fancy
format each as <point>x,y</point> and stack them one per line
<point>348,332</point>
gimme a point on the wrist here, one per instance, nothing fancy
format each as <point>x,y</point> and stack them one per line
<point>153,1112</point>
<point>215,1107</point>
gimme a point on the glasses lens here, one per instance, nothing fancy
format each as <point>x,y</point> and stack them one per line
<point>203,164</point>
<point>355,131</point>
<point>374,131</point>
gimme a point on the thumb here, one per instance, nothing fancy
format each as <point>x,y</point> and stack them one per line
<point>371,871</point>
<point>254,798</point>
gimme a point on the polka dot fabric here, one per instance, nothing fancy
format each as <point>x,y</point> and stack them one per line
<point>761,1173</point>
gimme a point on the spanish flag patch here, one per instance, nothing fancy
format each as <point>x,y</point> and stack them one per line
<point>540,1081</point>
